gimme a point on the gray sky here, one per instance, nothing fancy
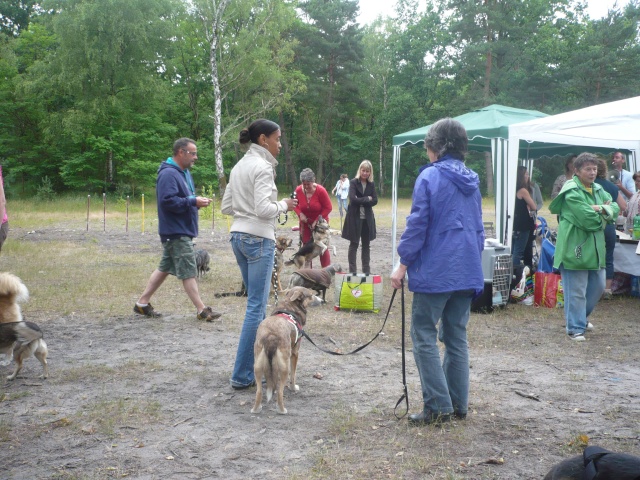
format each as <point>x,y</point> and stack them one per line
<point>370,9</point>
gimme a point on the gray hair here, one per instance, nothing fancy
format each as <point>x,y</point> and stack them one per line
<point>447,137</point>
<point>583,159</point>
<point>181,144</point>
<point>307,175</point>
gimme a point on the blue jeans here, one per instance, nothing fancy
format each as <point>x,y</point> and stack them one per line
<point>343,203</point>
<point>445,385</point>
<point>255,259</point>
<point>582,291</point>
<point>519,241</point>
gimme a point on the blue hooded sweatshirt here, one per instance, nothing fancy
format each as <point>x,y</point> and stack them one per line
<point>444,237</point>
<point>177,211</point>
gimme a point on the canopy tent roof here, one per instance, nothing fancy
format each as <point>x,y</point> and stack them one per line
<point>613,125</point>
<point>482,125</point>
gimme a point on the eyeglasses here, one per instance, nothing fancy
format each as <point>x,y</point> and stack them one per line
<point>193,154</point>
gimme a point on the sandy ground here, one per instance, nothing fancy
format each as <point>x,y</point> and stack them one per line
<point>130,397</point>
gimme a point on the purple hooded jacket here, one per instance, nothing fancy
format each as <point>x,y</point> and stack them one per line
<point>444,237</point>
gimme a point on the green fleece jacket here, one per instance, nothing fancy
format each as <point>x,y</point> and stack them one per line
<point>580,243</point>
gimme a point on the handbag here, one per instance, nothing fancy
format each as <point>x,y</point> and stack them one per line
<point>523,292</point>
<point>545,290</point>
<point>358,292</point>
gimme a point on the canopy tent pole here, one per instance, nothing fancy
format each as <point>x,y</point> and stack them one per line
<point>394,203</point>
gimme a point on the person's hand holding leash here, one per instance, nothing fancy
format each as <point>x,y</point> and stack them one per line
<point>397,277</point>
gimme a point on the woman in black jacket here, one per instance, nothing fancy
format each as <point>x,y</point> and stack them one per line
<point>360,224</point>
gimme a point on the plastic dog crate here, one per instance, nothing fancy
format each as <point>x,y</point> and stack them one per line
<point>497,271</point>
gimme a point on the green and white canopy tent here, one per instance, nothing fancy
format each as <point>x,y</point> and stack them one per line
<point>488,131</point>
<point>514,136</point>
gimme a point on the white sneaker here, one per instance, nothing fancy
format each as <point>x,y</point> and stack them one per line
<point>578,337</point>
<point>590,326</point>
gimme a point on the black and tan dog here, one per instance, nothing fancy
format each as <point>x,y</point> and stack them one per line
<point>282,243</point>
<point>596,463</point>
<point>18,339</point>
<point>277,346</point>
<point>315,279</point>
<point>320,241</point>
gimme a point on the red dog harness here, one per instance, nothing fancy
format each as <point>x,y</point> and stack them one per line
<point>292,320</point>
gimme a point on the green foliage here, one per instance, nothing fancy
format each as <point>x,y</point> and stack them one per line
<point>45,191</point>
<point>207,212</point>
<point>94,93</point>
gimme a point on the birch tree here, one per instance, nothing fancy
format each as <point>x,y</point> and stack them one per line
<point>250,62</point>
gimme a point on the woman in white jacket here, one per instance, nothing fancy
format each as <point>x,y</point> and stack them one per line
<point>252,198</point>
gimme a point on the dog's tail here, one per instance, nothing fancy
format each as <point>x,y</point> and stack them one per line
<point>23,332</point>
<point>11,285</point>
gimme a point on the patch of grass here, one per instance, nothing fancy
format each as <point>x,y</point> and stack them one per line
<point>130,370</point>
<point>12,396</point>
<point>106,416</point>
<point>5,430</point>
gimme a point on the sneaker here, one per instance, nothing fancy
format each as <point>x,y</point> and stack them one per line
<point>208,315</point>
<point>590,326</point>
<point>578,337</point>
<point>607,295</point>
<point>147,311</point>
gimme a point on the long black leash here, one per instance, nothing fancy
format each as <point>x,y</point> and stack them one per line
<point>331,352</point>
<point>405,395</point>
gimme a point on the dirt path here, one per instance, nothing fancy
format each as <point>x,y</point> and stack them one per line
<point>150,399</point>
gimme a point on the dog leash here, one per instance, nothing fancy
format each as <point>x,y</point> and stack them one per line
<point>331,352</point>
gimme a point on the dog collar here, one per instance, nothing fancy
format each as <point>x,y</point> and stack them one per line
<point>293,321</point>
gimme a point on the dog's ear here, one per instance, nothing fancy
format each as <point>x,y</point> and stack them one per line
<point>296,293</point>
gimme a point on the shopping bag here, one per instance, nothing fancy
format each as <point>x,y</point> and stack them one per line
<point>523,292</point>
<point>358,292</point>
<point>547,253</point>
<point>545,291</point>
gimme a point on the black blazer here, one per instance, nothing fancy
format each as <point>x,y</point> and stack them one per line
<point>352,227</point>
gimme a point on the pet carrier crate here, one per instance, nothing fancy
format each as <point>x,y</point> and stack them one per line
<point>497,272</point>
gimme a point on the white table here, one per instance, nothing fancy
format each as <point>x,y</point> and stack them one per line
<point>625,258</point>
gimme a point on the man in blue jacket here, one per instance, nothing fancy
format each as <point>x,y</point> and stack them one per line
<point>440,251</point>
<point>177,225</point>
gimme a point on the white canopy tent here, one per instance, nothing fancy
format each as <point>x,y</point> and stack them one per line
<point>614,125</point>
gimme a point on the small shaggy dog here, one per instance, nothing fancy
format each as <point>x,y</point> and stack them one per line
<point>202,261</point>
<point>18,339</point>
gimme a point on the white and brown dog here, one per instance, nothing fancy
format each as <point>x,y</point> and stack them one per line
<point>277,346</point>
<point>316,246</point>
<point>18,339</point>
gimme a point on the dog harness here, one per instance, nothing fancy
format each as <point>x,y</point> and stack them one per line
<point>291,318</point>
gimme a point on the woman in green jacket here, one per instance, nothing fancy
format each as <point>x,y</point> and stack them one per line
<point>584,209</point>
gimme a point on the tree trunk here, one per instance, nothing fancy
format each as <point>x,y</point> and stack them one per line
<point>217,108</point>
<point>489,169</point>
<point>290,172</point>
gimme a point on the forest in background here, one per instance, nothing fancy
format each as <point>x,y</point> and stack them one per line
<point>94,92</point>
